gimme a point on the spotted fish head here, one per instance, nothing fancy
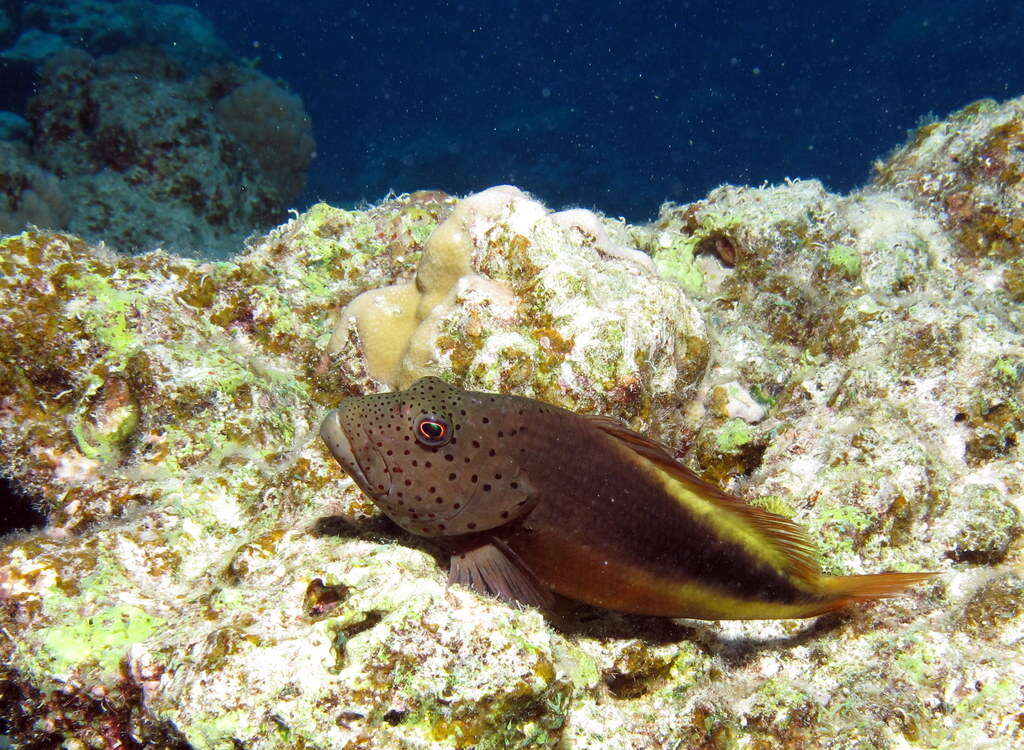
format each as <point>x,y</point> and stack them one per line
<point>437,460</point>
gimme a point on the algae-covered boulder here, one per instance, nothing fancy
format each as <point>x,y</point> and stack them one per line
<point>209,578</point>
<point>149,156</point>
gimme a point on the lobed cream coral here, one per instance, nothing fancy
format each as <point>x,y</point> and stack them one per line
<point>508,294</point>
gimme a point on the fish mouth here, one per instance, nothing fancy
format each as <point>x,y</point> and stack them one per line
<point>333,434</point>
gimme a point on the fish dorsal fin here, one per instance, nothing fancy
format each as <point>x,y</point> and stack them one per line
<point>785,536</point>
<point>493,569</point>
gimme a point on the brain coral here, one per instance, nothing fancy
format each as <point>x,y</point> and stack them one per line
<point>105,27</point>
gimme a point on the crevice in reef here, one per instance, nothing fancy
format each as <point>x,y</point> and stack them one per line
<point>18,510</point>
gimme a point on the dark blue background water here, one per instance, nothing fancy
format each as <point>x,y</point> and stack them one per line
<point>619,106</point>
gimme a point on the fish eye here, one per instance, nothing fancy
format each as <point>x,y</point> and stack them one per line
<point>432,430</point>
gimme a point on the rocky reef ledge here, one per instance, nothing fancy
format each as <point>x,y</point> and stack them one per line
<point>209,578</point>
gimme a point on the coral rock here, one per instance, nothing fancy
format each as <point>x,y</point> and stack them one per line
<point>209,578</point>
<point>28,194</point>
<point>144,161</point>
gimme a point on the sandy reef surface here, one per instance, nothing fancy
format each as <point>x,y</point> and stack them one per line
<point>209,578</point>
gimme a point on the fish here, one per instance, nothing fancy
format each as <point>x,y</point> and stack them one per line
<point>531,500</point>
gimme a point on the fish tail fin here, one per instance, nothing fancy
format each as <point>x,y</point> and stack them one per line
<point>841,591</point>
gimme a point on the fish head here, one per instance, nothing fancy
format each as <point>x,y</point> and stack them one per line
<point>439,461</point>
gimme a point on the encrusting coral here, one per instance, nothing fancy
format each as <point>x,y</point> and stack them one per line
<point>209,578</point>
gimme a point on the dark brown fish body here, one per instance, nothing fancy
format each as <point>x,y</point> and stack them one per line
<point>531,498</point>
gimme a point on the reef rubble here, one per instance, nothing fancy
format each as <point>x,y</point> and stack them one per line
<point>208,577</point>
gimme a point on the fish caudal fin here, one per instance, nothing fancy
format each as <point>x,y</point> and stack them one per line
<point>843,590</point>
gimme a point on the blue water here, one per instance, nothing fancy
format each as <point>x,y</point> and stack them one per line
<point>619,106</point>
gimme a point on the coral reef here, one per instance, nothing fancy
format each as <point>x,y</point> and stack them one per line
<point>13,127</point>
<point>28,194</point>
<point>38,28</point>
<point>208,577</point>
<point>272,124</point>
<point>155,138</point>
<point>149,157</point>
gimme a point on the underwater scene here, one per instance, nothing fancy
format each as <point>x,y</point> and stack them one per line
<point>511,375</point>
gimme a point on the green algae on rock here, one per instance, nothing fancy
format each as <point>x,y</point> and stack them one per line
<point>163,409</point>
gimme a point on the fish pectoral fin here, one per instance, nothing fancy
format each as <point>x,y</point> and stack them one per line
<point>493,569</point>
